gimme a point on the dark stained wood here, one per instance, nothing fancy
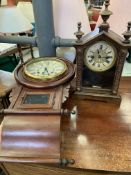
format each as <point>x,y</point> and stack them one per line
<point>19,93</point>
<point>30,138</point>
<point>33,169</point>
<point>113,77</point>
<point>99,139</point>
<point>31,132</point>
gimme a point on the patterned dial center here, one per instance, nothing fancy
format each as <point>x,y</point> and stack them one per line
<point>100,56</point>
<point>45,69</point>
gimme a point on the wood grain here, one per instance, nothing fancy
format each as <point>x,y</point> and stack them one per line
<point>99,139</point>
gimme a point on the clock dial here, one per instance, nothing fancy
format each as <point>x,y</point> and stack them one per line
<point>100,56</point>
<point>45,68</point>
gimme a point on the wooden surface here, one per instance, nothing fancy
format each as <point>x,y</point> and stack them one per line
<point>100,138</point>
<point>25,139</point>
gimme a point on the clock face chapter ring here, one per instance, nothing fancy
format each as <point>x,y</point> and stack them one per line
<point>45,69</point>
<point>100,56</point>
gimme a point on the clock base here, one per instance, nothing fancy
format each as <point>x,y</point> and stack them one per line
<point>100,97</point>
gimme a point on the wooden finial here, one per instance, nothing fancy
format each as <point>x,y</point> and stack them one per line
<point>105,14</point>
<point>127,34</point>
<point>79,33</point>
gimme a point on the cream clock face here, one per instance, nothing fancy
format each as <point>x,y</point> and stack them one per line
<point>45,68</point>
<point>100,56</point>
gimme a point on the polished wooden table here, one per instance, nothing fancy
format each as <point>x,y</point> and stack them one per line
<point>99,139</point>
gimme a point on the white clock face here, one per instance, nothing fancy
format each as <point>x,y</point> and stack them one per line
<point>100,56</point>
<point>45,68</point>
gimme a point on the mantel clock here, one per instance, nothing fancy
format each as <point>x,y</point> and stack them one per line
<point>100,56</point>
<point>31,125</point>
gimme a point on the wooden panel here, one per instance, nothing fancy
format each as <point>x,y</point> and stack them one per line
<point>30,138</point>
<point>19,93</point>
<point>32,169</point>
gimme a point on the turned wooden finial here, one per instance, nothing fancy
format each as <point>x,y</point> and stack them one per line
<point>127,34</point>
<point>79,33</point>
<point>105,14</point>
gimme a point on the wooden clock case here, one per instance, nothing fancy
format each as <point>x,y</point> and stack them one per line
<point>31,126</point>
<point>104,85</point>
<point>109,80</point>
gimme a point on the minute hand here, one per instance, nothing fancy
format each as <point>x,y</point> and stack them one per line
<point>107,57</point>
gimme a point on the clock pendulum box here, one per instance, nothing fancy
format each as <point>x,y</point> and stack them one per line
<point>100,57</point>
<point>30,131</point>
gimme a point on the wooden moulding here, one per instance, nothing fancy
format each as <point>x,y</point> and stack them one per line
<point>32,83</point>
<point>18,95</point>
<point>100,97</point>
<point>34,139</point>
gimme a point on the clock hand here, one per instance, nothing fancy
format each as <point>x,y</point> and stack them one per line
<point>107,57</point>
<point>46,70</point>
<point>108,52</point>
<point>91,56</point>
<point>101,46</point>
<point>98,51</point>
<point>107,61</point>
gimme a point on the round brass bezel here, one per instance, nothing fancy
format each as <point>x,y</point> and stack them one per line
<point>44,78</point>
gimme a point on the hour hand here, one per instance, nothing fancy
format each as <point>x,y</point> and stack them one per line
<point>98,51</point>
<point>91,56</point>
<point>107,57</point>
<point>46,70</point>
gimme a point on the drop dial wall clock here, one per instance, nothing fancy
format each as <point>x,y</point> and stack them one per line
<point>100,56</point>
<point>34,114</point>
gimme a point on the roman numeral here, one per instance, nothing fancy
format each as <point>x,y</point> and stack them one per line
<point>108,52</point>
<point>94,64</point>
<point>101,47</point>
<point>90,60</point>
<point>107,61</point>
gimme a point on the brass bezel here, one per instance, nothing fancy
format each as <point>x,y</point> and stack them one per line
<point>44,78</point>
